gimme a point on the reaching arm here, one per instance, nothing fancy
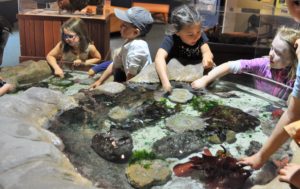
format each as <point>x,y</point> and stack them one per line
<point>207,56</point>
<point>95,56</point>
<point>52,60</point>
<point>214,74</point>
<point>278,136</point>
<point>161,69</point>
<point>106,74</point>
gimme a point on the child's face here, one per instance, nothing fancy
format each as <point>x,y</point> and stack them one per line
<point>128,31</point>
<point>190,34</point>
<point>294,9</point>
<point>70,37</point>
<point>280,55</point>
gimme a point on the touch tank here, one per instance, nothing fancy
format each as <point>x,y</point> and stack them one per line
<point>107,135</point>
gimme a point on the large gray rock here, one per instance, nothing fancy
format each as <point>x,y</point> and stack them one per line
<point>179,145</point>
<point>29,157</point>
<point>27,72</point>
<point>176,72</point>
<point>110,88</point>
<point>38,174</point>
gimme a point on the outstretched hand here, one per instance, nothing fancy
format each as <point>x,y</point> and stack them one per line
<point>200,83</point>
<point>290,174</point>
<point>254,161</point>
<point>94,85</point>
<point>59,72</point>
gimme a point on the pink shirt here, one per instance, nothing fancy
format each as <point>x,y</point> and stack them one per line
<point>261,67</point>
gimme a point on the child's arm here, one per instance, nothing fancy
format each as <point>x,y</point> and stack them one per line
<point>161,68</point>
<point>94,54</point>
<point>207,56</point>
<point>290,174</point>
<point>51,58</point>
<point>106,74</point>
<point>278,136</point>
<point>214,74</point>
<point>6,88</point>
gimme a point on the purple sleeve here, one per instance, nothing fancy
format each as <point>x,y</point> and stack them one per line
<point>258,66</point>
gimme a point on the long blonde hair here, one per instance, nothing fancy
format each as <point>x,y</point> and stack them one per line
<point>290,35</point>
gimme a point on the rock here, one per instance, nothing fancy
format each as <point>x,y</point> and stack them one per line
<point>181,96</point>
<point>253,148</point>
<point>230,137</point>
<point>188,73</point>
<point>183,122</point>
<point>214,139</point>
<point>27,72</point>
<point>180,183</point>
<point>231,118</point>
<point>115,146</point>
<point>176,72</point>
<point>178,145</point>
<point>148,173</point>
<point>110,88</point>
<point>146,75</point>
<point>61,82</point>
<point>118,114</point>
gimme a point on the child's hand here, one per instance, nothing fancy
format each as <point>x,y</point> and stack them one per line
<point>208,62</point>
<point>200,83</point>
<point>77,62</point>
<point>255,161</point>
<point>290,174</point>
<point>96,84</point>
<point>58,72</point>
<point>297,46</point>
<point>91,73</point>
<point>167,87</point>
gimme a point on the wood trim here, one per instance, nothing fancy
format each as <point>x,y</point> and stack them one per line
<point>40,33</point>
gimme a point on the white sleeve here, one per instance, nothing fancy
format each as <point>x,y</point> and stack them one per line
<point>138,56</point>
<point>117,58</point>
<point>234,66</point>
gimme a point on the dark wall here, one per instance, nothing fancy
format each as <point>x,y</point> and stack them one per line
<point>154,1</point>
<point>121,3</point>
<point>9,10</point>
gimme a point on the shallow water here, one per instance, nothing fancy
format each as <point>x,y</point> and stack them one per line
<point>77,127</point>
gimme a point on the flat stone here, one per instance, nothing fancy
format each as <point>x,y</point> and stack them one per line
<point>118,113</point>
<point>183,122</point>
<point>181,95</point>
<point>148,173</point>
<point>110,88</point>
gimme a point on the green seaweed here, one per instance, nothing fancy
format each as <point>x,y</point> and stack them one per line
<point>140,155</point>
<point>165,103</point>
<point>203,105</point>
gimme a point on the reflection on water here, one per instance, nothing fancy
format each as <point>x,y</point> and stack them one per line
<point>147,118</point>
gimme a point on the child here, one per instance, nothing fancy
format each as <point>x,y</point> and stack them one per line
<point>5,87</point>
<point>279,66</point>
<point>134,54</point>
<point>279,135</point>
<point>185,42</point>
<point>75,46</point>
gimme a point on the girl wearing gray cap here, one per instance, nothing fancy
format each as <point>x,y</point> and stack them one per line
<point>134,54</point>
